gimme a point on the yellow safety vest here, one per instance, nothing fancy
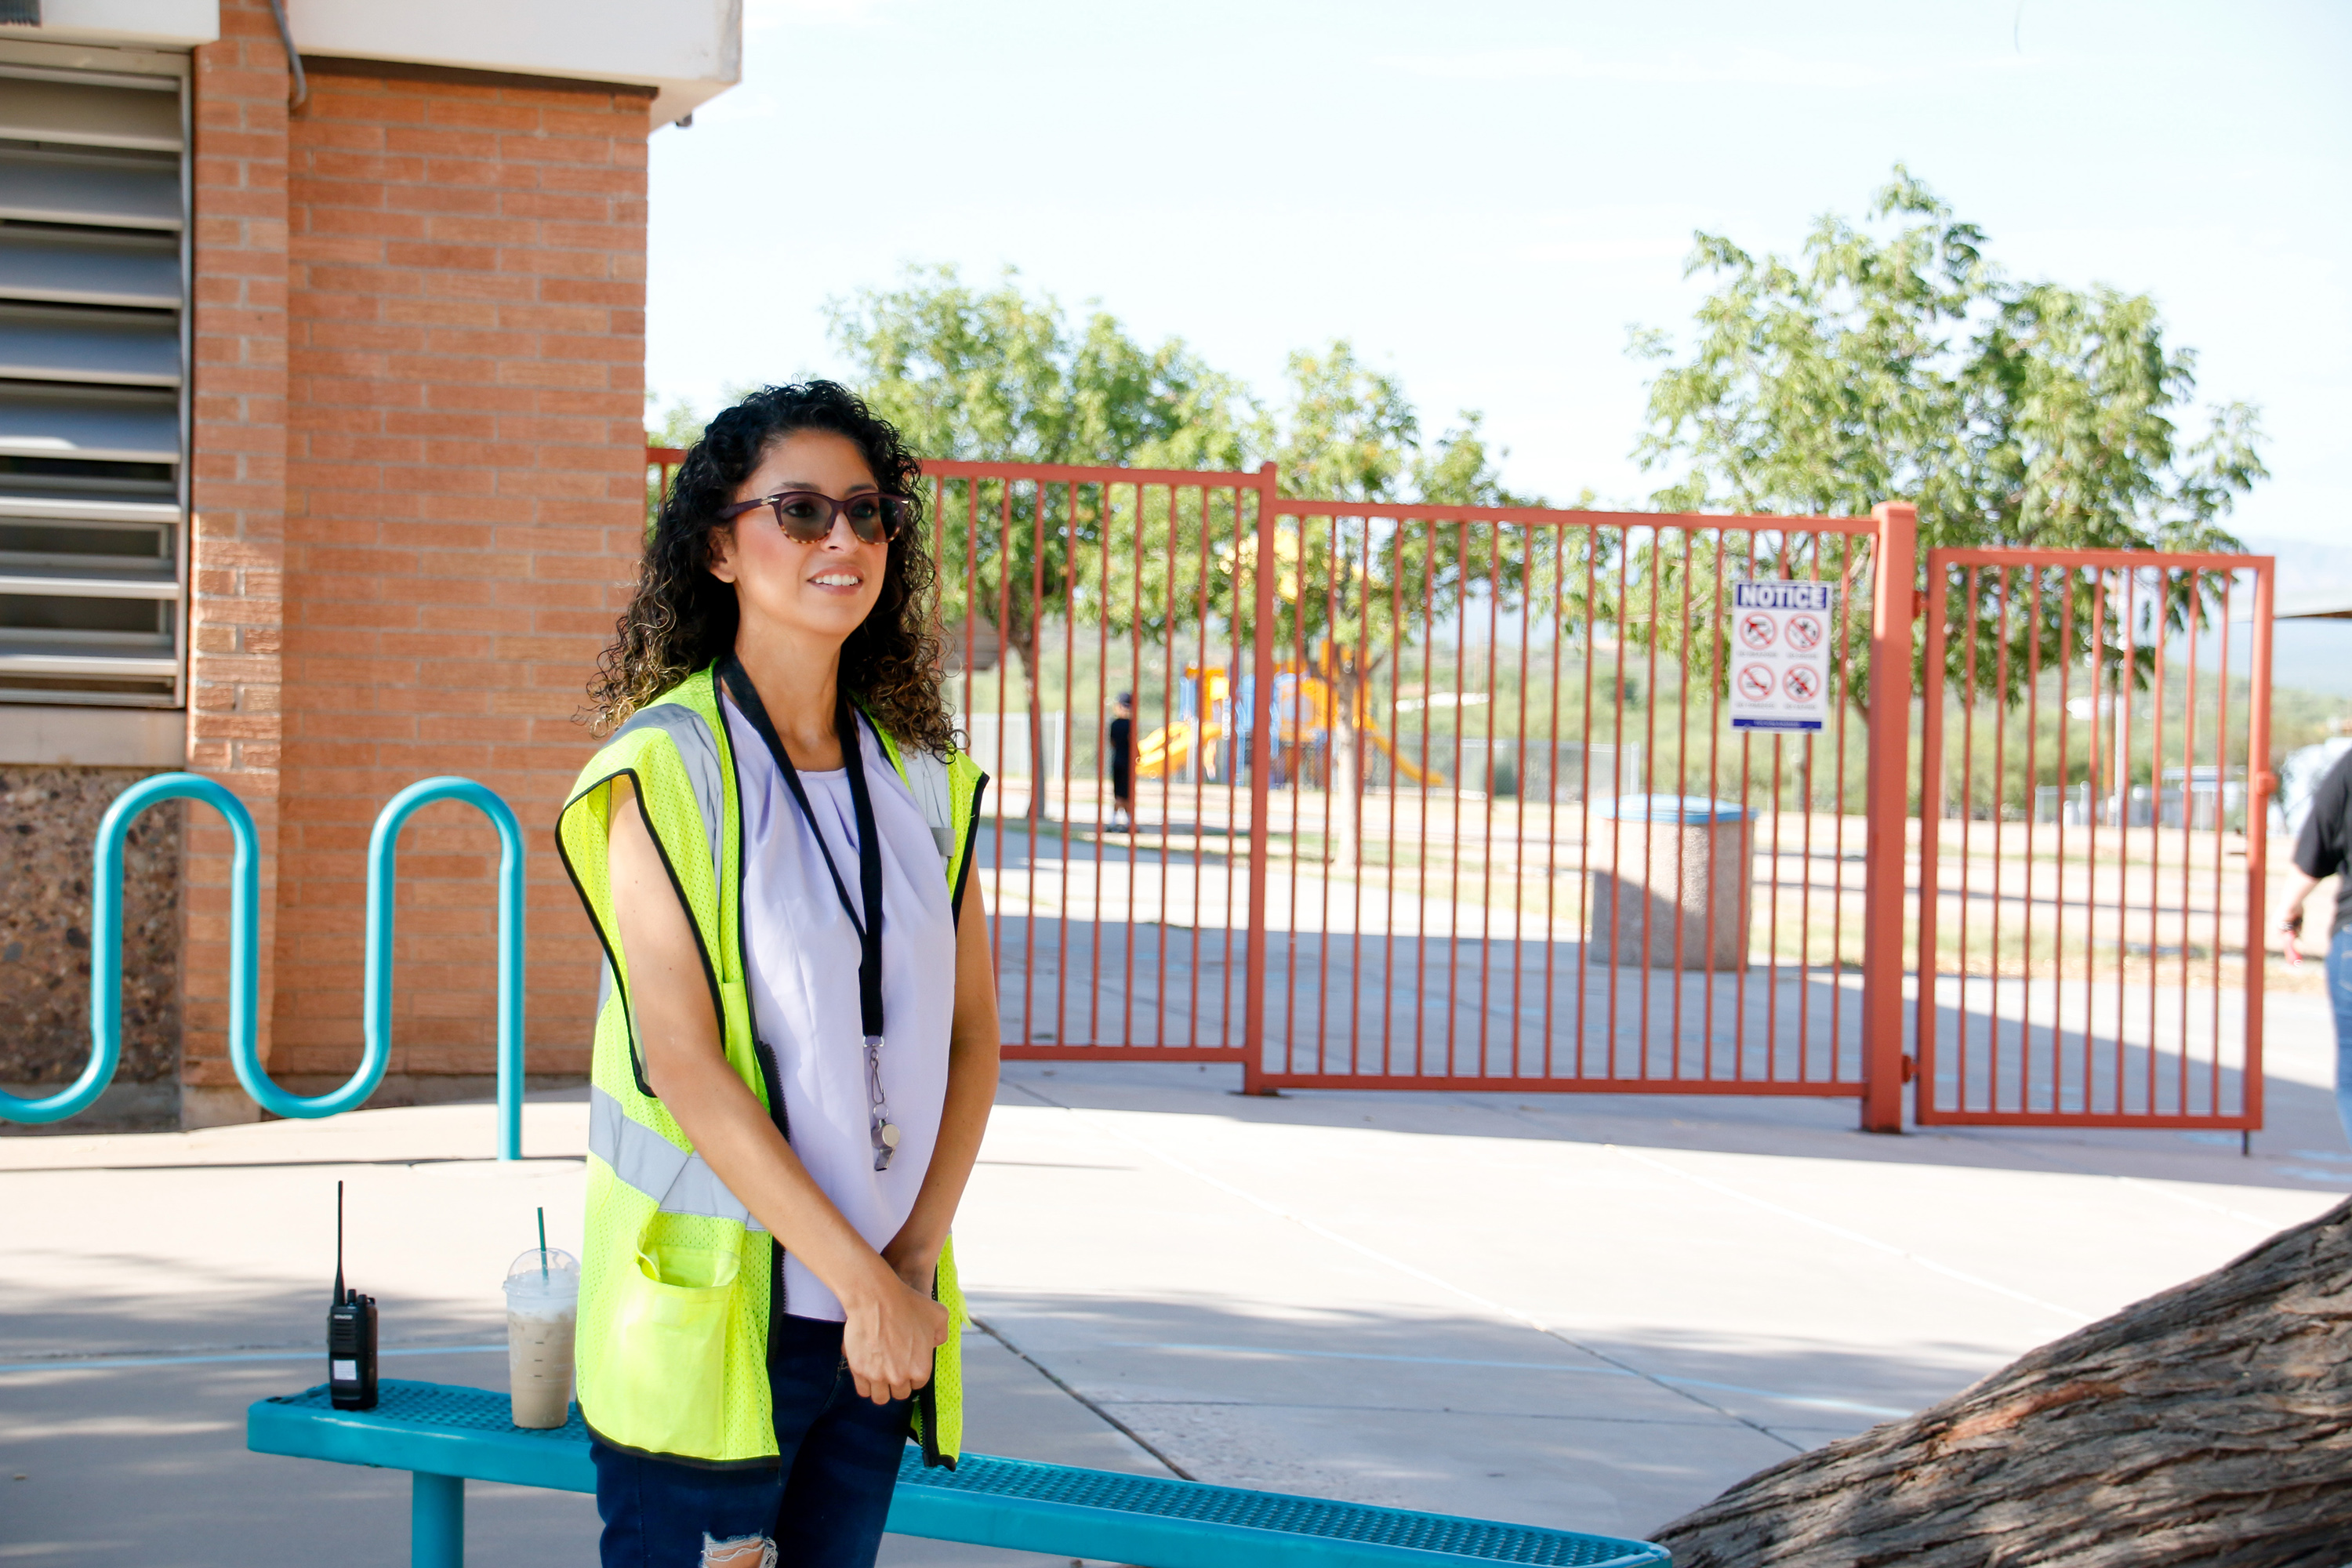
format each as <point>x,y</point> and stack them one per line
<point>678,1278</point>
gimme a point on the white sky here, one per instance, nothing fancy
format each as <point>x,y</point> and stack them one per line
<point>1483,196</point>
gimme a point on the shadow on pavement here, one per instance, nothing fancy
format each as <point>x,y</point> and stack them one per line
<point>2302,1147</point>
<point>1514,1424</point>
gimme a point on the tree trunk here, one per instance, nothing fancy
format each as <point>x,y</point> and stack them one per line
<point>2210,1425</point>
<point>1344,806</point>
<point>1022,636</point>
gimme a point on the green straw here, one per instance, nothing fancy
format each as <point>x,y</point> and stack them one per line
<point>542,1244</point>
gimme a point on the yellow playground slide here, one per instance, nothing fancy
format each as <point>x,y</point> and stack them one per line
<point>1168,749</point>
<point>1406,769</point>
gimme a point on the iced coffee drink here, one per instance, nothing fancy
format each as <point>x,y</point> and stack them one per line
<point>542,1311</point>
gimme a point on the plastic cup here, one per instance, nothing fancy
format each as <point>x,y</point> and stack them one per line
<point>542,1316</point>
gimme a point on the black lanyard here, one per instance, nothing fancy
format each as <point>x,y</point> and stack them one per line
<point>869,878</point>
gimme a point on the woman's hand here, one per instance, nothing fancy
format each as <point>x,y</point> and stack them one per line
<point>888,1332</point>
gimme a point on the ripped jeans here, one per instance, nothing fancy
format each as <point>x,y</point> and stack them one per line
<point>822,1507</point>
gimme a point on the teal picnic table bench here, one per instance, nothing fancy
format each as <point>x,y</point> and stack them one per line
<point>449,1435</point>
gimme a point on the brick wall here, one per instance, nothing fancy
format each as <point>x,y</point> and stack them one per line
<point>238,495</point>
<point>462,506</point>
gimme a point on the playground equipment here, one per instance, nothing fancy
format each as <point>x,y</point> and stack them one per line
<point>1306,699</point>
<point>1171,748</point>
<point>244,954</point>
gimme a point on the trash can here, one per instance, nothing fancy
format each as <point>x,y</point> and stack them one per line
<point>1699,863</point>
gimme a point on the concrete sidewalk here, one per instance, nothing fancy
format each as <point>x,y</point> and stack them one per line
<point>1587,1312</point>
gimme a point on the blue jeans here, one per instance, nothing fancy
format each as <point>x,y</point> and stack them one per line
<point>2339,997</point>
<point>824,1505</point>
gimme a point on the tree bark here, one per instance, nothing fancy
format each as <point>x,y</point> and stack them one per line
<point>1346,798</point>
<point>1022,636</point>
<point>2210,1425</point>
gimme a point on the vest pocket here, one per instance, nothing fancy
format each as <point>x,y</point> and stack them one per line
<point>670,1327</point>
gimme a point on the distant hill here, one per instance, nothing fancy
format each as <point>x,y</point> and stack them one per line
<point>2314,656</point>
<point>2305,656</point>
<point>2308,571</point>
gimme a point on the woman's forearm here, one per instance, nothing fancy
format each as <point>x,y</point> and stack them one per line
<point>686,1068</point>
<point>972,1052</point>
<point>963,1120</point>
<point>730,1130</point>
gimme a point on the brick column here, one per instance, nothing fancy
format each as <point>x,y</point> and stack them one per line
<point>237,458</point>
<point>465,449</point>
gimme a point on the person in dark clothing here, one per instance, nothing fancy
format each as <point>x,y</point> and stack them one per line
<point>1122,760</point>
<point>2323,849</point>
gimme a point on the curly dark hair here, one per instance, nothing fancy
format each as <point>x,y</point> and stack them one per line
<point>681,617</point>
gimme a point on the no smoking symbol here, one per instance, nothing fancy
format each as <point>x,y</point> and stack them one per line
<point>1804,633</point>
<point>1801,683</point>
<point>1755,682</point>
<point>1757,630</point>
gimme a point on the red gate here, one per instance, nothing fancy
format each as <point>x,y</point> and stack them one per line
<point>1062,588</point>
<point>1518,846</point>
<point>1426,796</point>
<point>1446,797</point>
<point>2094,758</point>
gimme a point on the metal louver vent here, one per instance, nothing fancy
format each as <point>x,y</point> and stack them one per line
<point>93,351</point>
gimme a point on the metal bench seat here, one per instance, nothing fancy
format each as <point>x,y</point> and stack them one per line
<point>448,1434</point>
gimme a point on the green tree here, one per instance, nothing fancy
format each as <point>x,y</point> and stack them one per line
<point>677,426</point>
<point>1001,375</point>
<point>1353,589</point>
<point>998,375</point>
<point>1894,359</point>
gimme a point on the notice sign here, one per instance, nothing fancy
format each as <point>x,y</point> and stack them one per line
<point>1781,654</point>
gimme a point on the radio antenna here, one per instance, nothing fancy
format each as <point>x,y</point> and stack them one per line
<point>339,1245</point>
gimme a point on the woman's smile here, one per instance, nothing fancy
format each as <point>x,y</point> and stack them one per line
<point>842,573</point>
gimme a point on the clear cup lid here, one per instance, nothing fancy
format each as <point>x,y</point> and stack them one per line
<point>553,1269</point>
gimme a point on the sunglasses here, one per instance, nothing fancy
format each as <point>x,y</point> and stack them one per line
<point>807,516</point>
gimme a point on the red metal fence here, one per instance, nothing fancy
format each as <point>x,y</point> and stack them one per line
<point>1435,797</point>
<point>2093,791</point>
<point>1510,905</point>
<point>1063,588</point>
<point>1383,758</point>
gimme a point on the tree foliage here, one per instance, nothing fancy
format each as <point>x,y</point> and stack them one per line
<point>998,375</point>
<point>994,375</point>
<point>974,374</point>
<point>1348,432</point>
<point>1894,359</point>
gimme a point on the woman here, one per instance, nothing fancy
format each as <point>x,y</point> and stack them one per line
<point>796,1051</point>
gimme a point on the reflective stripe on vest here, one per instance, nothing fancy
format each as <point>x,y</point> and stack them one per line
<point>678,1181</point>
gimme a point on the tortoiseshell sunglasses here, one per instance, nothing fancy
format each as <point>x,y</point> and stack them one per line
<point>806,516</point>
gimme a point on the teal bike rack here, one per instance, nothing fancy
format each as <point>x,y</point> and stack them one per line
<point>106,940</point>
<point>383,844</point>
<point>106,954</point>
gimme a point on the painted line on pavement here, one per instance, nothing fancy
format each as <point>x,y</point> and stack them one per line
<point>1398,1264</point>
<point>2069,1313</point>
<point>1821,1401</point>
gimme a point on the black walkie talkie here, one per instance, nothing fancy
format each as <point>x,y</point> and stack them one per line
<point>351,1335</point>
